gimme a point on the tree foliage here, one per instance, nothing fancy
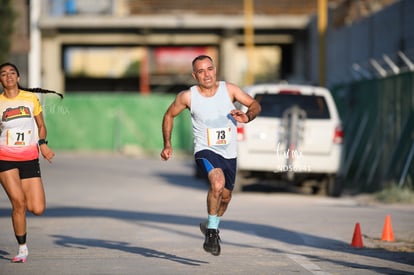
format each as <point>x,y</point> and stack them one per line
<point>7,17</point>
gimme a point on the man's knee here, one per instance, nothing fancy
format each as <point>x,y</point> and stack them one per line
<point>226,198</point>
<point>217,180</point>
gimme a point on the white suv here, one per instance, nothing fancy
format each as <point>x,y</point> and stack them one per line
<point>297,138</point>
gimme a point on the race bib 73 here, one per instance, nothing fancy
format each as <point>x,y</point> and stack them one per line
<point>218,136</point>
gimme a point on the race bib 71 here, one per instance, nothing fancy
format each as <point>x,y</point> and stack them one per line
<point>18,138</point>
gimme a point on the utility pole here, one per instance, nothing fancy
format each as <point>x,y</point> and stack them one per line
<point>249,39</point>
<point>144,84</point>
<point>322,26</point>
<point>34,58</point>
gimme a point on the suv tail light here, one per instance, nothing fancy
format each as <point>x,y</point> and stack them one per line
<point>289,92</point>
<point>240,132</point>
<point>338,135</point>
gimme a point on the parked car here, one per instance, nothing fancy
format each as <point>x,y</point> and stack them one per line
<point>296,139</point>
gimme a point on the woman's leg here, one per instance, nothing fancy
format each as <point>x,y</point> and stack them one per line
<point>34,194</point>
<point>23,194</point>
<point>12,184</point>
<point>13,187</point>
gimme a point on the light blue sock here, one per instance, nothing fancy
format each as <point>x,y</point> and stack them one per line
<point>213,222</point>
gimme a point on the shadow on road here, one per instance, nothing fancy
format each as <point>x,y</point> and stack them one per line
<point>264,231</point>
<point>184,180</point>
<point>81,243</point>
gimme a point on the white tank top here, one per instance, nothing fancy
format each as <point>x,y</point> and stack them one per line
<point>213,127</point>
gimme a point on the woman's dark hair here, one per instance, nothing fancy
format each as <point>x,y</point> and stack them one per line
<point>33,90</point>
<point>40,91</point>
<point>12,65</point>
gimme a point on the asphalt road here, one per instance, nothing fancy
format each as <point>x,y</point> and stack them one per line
<point>114,214</point>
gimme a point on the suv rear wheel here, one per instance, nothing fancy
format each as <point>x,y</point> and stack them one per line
<point>241,181</point>
<point>333,185</point>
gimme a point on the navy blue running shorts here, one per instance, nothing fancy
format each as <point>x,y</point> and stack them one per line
<point>206,160</point>
<point>27,169</point>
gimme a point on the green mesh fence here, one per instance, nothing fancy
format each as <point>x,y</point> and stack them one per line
<point>113,122</point>
<point>379,131</point>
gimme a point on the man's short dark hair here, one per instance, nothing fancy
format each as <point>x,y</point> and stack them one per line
<point>200,57</point>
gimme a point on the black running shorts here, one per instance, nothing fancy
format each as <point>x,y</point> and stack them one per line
<point>27,169</point>
<point>206,160</point>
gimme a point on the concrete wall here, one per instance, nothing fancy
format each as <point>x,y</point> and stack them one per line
<point>386,32</point>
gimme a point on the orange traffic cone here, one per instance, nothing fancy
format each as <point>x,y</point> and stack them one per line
<point>387,233</point>
<point>357,238</point>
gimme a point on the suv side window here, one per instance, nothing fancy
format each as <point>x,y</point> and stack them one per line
<point>273,105</point>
